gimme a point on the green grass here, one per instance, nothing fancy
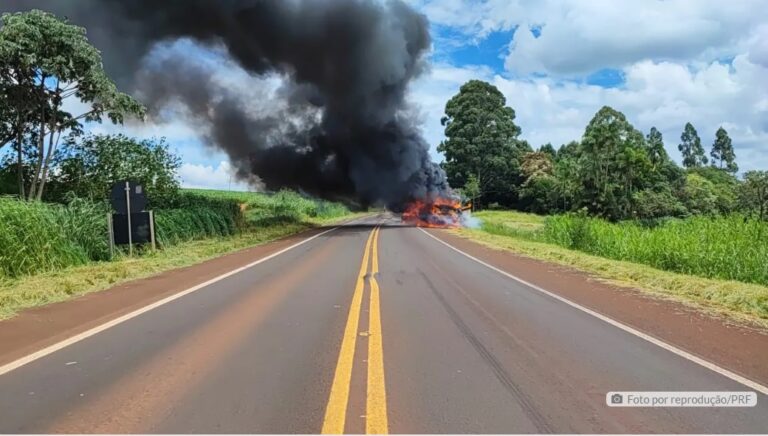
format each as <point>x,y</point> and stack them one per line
<point>715,263</point>
<point>283,206</point>
<point>29,291</point>
<point>728,247</point>
<point>51,252</point>
<point>37,237</point>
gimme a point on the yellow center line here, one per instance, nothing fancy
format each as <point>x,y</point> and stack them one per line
<point>336,411</point>
<point>376,400</point>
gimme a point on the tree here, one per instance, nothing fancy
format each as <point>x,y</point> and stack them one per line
<point>724,187</point>
<point>481,139</point>
<point>655,146</point>
<point>691,149</point>
<point>571,149</point>
<point>94,164</point>
<point>44,62</point>
<point>536,164</point>
<point>754,193</point>
<point>471,189</point>
<point>722,152</point>
<point>649,204</point>
<point>549,149</point>
<point>613,164</point>
<point>540,187</point>
<point>699,195</point>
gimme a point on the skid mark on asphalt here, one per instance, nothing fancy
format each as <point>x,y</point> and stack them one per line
<point>497,368</point>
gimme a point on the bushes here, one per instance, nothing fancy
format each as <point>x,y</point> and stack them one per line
<point>36,237</point>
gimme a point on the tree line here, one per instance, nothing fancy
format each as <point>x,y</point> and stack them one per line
<point>614,171</point>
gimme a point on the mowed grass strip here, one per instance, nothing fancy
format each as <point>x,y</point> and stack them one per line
<point>736,299</point>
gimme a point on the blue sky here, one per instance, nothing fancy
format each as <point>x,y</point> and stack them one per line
<point>557,62</point>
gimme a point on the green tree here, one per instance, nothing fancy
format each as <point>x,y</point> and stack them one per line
<point>655,146</point>
<point>94,164</point>
<point>471,189</point>
<point>699,195</point>
<point>45,62</point>
<point>613,164</point>
<point>539,191</point>
<point>754,193</point>
<point>482,140</point>
<point>650,203</point>
<point>724,187</point>
<point>571,149</point>
<point>548,149</point>
<point>722,152</point>
<point>691,149</point>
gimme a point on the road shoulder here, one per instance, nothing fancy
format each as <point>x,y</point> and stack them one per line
<point>739,347</point>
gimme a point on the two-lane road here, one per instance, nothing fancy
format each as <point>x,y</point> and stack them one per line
<point>372,327</point>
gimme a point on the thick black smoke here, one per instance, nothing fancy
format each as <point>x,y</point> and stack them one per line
<point>339,127</point>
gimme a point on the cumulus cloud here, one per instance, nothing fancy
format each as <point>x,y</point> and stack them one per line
<point>578,37</point>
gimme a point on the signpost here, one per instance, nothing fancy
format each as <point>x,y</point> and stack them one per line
<point>130,224</point>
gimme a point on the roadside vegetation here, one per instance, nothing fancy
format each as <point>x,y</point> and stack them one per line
<point>614,203</point>
<point>728,247</point>
<point>737,301</point>
<point>71,256</point>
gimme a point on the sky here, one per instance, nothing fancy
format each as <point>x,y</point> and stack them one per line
<point>662,63</point>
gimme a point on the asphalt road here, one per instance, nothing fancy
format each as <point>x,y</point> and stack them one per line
<point>363,330</point>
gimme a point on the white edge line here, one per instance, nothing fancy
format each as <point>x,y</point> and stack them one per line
<point>8,367</point>
<point>671,348</point>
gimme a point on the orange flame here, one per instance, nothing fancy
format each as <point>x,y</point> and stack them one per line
<point>440,213</point>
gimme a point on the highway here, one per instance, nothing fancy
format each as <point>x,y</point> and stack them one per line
<point>371,327</point>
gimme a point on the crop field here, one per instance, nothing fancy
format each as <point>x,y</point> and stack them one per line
<point>726,247</point>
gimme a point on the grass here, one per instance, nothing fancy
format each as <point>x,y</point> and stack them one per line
<point>50,253</point>
<point>53,286</point>
<point>528,235</point>
<point>38,237</point>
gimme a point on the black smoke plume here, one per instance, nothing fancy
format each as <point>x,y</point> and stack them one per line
<point>337,126</point>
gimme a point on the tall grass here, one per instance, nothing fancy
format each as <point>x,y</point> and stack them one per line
<point>282,207</point>
<point>37,237</point>
<point>730,247</point>
<point>724,247</point>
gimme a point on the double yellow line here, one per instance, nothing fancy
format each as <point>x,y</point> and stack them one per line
<point>376,396</point>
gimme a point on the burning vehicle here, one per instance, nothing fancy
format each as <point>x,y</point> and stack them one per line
<point>440,212</point>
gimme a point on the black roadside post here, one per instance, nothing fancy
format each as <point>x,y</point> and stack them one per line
<point>130,223</point>
<point>128,208</point>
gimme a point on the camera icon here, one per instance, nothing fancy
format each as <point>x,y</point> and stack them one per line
<point>617,399</point>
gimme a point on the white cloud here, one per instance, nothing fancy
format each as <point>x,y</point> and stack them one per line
<point>202,176</point>
<point>583,36</point>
